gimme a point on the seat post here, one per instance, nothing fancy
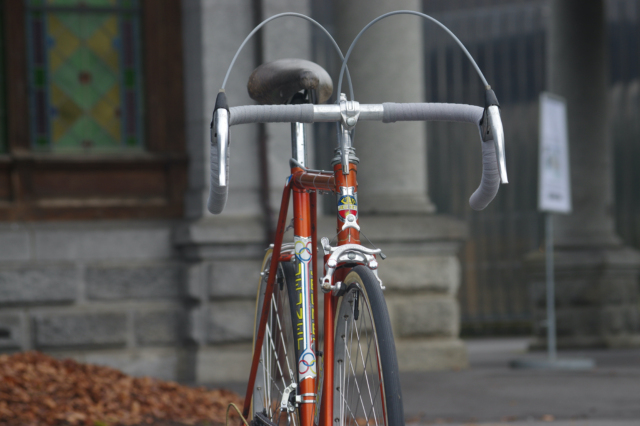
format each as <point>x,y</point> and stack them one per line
<point>298,143</point>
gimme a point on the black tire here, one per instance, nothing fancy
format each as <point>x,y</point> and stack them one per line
<point>367,385</point>
<point>277,367</point>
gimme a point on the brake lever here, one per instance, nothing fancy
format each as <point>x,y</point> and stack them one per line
<point>492,130</point>
<point>220,136</point>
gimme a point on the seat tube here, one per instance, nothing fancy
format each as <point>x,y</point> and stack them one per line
<point>304,319</point>
<point>298,143</point>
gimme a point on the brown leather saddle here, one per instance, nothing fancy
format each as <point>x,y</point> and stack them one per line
<point>276,82</point>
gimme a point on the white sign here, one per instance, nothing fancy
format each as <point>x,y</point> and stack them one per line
<point>555,180</point>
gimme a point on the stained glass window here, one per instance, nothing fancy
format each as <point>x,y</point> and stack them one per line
<point>85,75</point>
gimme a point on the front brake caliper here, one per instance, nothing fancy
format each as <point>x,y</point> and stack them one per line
<point>285,403</point>
<point>347,253</point>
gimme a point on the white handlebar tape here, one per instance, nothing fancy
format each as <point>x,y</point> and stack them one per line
<point>431,112</point>
<point>391,112</point>
<point>490,182</point>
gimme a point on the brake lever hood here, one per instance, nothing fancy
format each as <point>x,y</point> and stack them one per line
<point>492,130</point>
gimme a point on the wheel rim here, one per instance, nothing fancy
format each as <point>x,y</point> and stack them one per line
<point>276,370</point>
<point>359,394</point>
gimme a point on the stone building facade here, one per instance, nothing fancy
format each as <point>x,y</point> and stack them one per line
<point>172,295</point>
<point>111,258</point>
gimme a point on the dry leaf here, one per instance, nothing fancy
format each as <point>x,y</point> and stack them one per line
<point>36,389</point>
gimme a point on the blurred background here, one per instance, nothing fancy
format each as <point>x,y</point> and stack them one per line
<point>509,40</point>
<point>494,296</point>
<point>107,253</point>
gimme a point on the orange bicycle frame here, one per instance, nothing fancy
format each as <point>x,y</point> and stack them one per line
<point>305,184</point>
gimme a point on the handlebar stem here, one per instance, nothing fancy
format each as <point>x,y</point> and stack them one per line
<point>349,113</point>
<point>345,145</point>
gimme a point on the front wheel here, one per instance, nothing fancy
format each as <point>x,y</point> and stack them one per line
<point>367,386</point>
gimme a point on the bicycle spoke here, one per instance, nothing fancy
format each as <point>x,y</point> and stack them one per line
<point>284,347</point>
<point>351,333</point>
<point>377,386</point>
<point>267,373</point>
<point>354,368</point>
<point>359,367</point>
<point>347,350</point>
<point>370,357</point>
<point>348,406</point>
<point>348,398</point>
<point>275,355</point>
<point>355,382</point>
<point>264,391</point>
<point>345,406</point>
<point>343,376</point>
<point>277,359</point>
<point>364,372</point>
<point>372,409</point>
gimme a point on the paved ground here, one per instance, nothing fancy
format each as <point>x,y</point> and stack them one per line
<point>584,422</point>
<point>490,393</point>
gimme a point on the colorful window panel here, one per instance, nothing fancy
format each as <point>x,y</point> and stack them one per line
<point>85,75</point>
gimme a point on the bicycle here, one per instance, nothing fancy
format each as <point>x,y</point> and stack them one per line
<point>354,378</point>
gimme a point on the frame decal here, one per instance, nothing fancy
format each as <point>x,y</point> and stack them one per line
<point>347,203</point>
<point>304,310</point>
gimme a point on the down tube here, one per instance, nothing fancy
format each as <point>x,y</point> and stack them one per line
<point>304,318</point>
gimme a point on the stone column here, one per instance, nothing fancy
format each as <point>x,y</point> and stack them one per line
<point>577,70</point>
<point>596,276</point>
<point>387,66</point>
<point>422,272</point>
<point>288,37</point>
<point>212,32</point>
<point>224,252</point>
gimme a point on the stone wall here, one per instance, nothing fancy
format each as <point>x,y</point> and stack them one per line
<point>421,276</point>
<point>104,292</point>
<point>176,300</point>
<point>223,258</point>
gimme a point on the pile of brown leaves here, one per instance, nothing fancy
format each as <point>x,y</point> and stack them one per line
<point>36,389</point>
